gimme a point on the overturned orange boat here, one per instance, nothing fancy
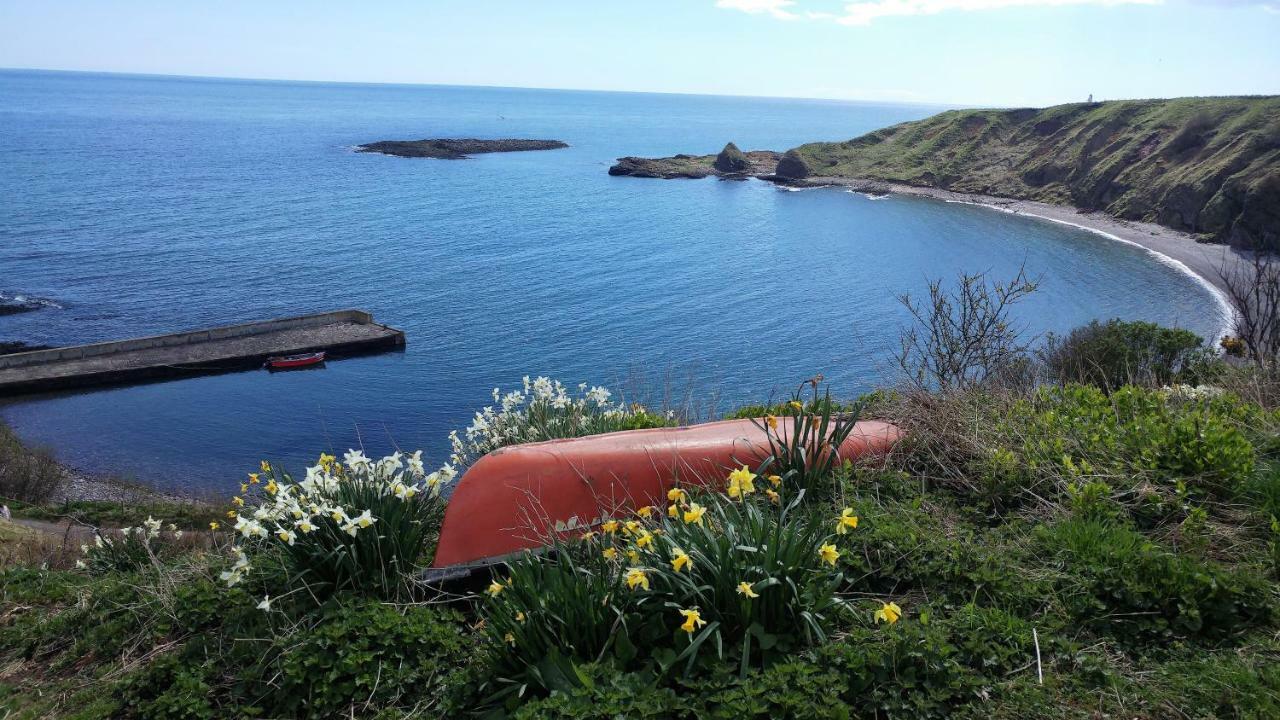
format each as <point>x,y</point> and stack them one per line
<point>522,496</point>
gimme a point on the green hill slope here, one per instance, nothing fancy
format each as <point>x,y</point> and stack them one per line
<point>1202,165</point>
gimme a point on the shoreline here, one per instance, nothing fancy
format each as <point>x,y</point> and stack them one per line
<point>1179,250</point>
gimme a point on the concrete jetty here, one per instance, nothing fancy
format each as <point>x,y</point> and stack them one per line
<point>221,349</point>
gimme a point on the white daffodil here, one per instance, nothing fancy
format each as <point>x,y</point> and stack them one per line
<point>355,460</point>
<point>415,464</point>
<point>364,519</point>
<point>286,536</point>
<point>265,605</point>
<point>80,565</point>
<point>304,526</point>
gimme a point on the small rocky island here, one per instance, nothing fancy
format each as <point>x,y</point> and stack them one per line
<point>455,149</point>
<point>730,164</point>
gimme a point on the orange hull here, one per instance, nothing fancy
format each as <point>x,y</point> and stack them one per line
<point>519,497</point>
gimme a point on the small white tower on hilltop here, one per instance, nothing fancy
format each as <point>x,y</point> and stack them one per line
<point>1090,100</point>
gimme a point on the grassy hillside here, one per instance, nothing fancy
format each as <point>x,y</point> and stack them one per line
<point>1202,165</point>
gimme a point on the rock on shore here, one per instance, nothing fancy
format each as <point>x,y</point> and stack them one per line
<point>455,149</point>
<point>730,163</point>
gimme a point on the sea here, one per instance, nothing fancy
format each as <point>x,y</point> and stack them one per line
<point>137,205</point>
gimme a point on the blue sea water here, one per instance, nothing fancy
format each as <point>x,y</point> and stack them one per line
<point>143,205</point>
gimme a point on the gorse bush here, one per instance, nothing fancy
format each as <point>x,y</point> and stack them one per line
<point>359,526</point>
<point>544,410</point>
<point>1120,353</point>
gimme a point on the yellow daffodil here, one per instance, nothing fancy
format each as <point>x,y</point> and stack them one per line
<point>680,560</point>
<point>520,616</point>
<point>772,421</point>
<point>677,495</point>
<point>631,527</point>
<point>889,612</point>
<point>775,480</point>
<point>610,553</point>
<point>610,527</point>
<point>829,554</point>
<point>796,405</point>
<point>511,639</point>
<point>773,496</point>
<point>231,514</point>
<point>495,588</point>
<point>692,620</point>
<point>213,525</point>
<point>744,589</point>
<point>673,511</point>
<point>694,514</point>
<point>327,459</point>
<point>271,487</point>
<point>645,512</point>
<point>741,482</point>
<point>644,539</point>
<point>587,535</point>
<point>846,521</point>
<point>237,501</point>
<point>244,488</point>
<point>637,578</point>
<point>253,478</point>
<point>266,466</point>
<point>633,556</point>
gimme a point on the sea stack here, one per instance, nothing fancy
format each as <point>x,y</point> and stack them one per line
<point>792,166</point>
<point>731,160</point>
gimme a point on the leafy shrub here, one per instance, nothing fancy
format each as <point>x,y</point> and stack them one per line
<point>368,655</point>
<point>1122,582</point>
<point>361,526</point>
<point>544,410</point>
<point>134,548</point>
<point>1119,353</point>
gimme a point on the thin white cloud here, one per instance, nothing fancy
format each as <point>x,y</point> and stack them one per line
<point>863,13</point>
<point>776,8</point>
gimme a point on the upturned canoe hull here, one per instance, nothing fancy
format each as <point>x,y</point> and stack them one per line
<point>522,496</point>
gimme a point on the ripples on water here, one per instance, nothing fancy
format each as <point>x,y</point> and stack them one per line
<point>148,205</point>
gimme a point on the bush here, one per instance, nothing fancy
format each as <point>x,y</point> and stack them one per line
<point>367,655</point>
<point>133,549</point>
<point>29,476</point>
<point>1126,585</point>
<point>544,410</point>
<point>1119,353</point>
<point>360,526</point>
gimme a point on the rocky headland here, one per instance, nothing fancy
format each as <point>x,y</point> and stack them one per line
<point>1208,167</point>
<point>730,164</point>
<point>455,149</point>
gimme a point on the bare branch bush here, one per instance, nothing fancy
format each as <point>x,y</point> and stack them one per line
<point>964,338</point>
<point>1253,287</point>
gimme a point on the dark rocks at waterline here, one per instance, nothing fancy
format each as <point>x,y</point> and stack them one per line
<point>754,163</point>
<point>9,348</point>
<point>731,160</point>
<point>455,149</point>
<point>792,166</point>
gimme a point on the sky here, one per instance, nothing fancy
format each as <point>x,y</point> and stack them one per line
<point>994,53</point>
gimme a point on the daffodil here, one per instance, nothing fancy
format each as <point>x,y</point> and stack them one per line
<point>244,488</point>
<point>775,480</point>
<point>692,620</point>
<point>744,589</point>
<point>676,495</point>
<point>636,577</point>
<point>286,536</point>
<point>631,527</point>
<point>231,514</point>
<point>694,514</point>
<point>364,519</point>
<point>846,521</point>
<point>680,560</point>
<point>495,588</point>
<point>796,405</point>
<point>741,482</point>
<point>773,496</point>
<point>633,556</point>
<point>889,612</point>
<point>253,478</point>
<point>511,639</point>
<point>587,535</point>
<point>237,501</point>
<point>673,511</point>
<point>644,539</point>
<point>213,525</point>
<point>772,422</point>
<point>266,466</point>
<point>520,616</point>
<point>80,565</point>
<point>829,554</point>
<point>304,526</point>
<point>610,526</point>
<point>271,487</point>
<point>610,553</point>
<point>265,605</point>
<point>645,512</point>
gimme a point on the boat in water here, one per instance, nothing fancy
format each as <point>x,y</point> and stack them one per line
<point>289,362</point>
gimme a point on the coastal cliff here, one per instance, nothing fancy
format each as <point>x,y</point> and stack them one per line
<point>1207,166</point>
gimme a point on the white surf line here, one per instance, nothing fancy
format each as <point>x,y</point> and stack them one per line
<point>1226,312</point>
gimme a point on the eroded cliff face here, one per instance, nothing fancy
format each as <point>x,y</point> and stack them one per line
<point>1209,166</point>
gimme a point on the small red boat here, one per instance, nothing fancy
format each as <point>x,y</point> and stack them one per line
<point>294,361</point>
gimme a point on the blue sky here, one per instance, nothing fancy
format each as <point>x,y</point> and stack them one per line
<point>964,52</point>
